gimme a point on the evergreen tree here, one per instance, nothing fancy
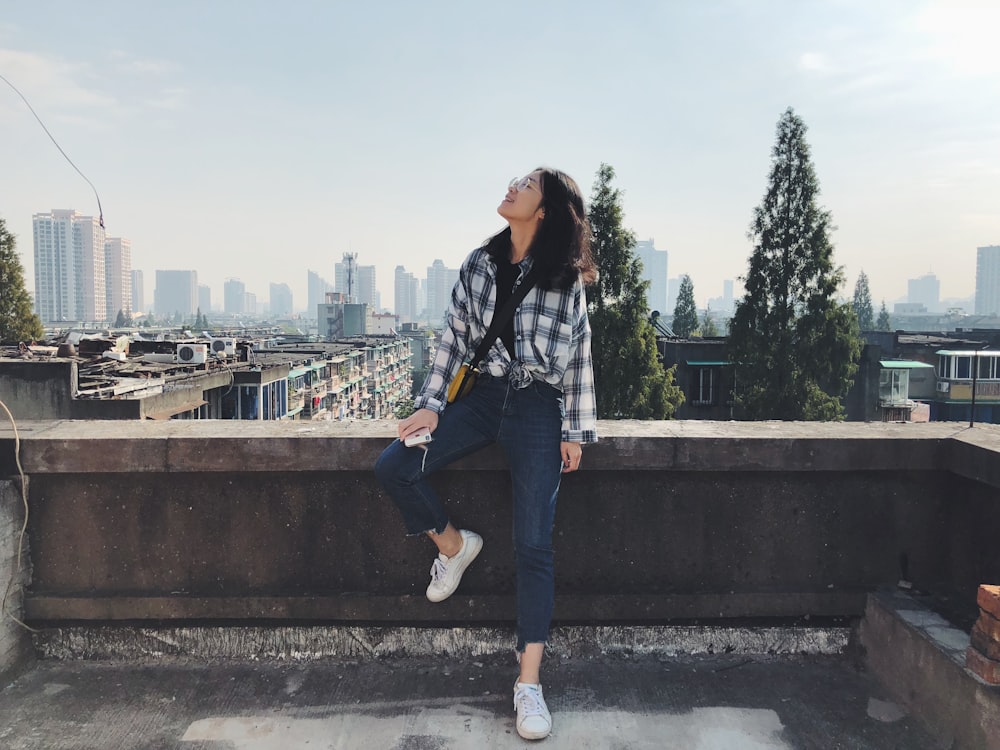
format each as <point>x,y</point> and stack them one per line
<point>18,322</point>
<point>884,323</point>
<point>631,380</point>
<point>685,313</point>
<point>796,347</point>
<point>863,303</point>
<point>119,320</point>
<point>708,326</point>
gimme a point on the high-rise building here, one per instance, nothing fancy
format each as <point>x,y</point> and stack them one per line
<point>118,276</point>
<point>176,293</point>
<point>926,291</point>
<point>366,292</point>
<point>405,288</point>
<point>205,298</point>
<point>69,267</point>
<point>654,270</point>
<point>138,292</point>
<point>317,288</point>
<point>988,280</point>
<point>234,297</point>
<point>281,300</point>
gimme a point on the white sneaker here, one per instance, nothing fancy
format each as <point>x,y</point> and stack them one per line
<point>446,572</point>
<point>534,722</point>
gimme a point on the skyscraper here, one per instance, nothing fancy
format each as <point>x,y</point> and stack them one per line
<point>281,300</point>
<point>926,291</point>
<point>176,292</point>
<point>118,276</point>
<point>69,267</point>
<point>440,280</point>
<point>365,290</point>
<point>988,280</point>
<point>654,270</point>
<point>234,297</point>
<point>405,289</point>
<point>138,292</point>
<point>316,287</point>
<point>205,298</point>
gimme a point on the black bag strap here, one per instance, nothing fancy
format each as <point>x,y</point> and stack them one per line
<point>501,318</point>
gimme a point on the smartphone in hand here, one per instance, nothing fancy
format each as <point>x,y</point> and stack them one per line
<point>420,437</point>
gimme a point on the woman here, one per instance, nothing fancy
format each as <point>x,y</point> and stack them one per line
<point>535,398</point>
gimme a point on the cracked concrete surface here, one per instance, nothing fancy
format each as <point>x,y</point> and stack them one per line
<point>680,703</point>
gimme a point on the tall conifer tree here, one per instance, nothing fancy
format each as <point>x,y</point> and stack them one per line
<point>631,380</point>
<point>796,347</point>
<point>884,322</point>
<point>863,303</point>
<point>685,313</point>
<point>18,321</point>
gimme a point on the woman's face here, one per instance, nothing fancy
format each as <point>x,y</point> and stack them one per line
<point>523,200</point>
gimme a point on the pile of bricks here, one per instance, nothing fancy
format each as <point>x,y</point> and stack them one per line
<point>983,655</point>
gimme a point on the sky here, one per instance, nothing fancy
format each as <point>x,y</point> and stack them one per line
<point>259,140</point>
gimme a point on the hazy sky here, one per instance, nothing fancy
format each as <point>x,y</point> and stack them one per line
<point>260,139</point>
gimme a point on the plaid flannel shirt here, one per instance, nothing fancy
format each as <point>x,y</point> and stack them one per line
<point>551,341</point>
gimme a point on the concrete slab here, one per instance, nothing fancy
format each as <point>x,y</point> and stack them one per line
<point>694,703</point>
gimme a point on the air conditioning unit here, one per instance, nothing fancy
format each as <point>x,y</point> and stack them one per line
<point>192,354</point>
<point>224,347</point>
<point>943,386</point>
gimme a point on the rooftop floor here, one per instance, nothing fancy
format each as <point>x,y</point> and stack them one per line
<point>725,702</point>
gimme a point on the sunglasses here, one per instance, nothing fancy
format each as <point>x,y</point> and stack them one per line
<point>521,184</point>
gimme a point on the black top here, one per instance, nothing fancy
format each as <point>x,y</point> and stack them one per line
<point>507,274</point>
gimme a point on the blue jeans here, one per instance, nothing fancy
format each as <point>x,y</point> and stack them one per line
<point>527,423</point>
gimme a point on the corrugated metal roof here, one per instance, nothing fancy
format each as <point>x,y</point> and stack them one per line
<point>968,353</point>
<point>700,363</point>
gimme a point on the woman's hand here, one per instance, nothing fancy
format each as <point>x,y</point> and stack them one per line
<point>419,420</point>
<point>571,455</point>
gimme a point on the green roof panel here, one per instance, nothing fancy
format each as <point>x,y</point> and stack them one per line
<point>902,364</point>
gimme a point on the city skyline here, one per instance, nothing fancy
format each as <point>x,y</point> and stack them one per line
<point>420,295</point>
<point>252,144</point>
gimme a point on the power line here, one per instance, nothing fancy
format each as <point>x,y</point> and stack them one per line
<point>65,155</point>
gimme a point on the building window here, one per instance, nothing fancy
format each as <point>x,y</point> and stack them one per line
<point>893,386</point>
<point>987,368</point>
<point>963,368</point>
<point>703,391</point>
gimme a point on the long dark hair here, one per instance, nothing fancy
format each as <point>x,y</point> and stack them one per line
<point>560,248</point>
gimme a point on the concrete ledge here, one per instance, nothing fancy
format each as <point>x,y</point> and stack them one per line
<point>625,445</point>
<point>920,658</point>
<point>324,642</point>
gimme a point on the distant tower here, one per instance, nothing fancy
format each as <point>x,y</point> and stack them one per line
<point>654,270</point>
<point>926,290</point>
<point>350,269</point>
<point>988,280</point>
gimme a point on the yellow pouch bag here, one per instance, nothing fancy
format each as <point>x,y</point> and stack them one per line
<point>461,384</point>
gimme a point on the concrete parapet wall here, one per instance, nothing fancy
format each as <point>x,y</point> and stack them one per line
<point>284,522</point>
<point>920,658</point>
<point>15,644</point>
